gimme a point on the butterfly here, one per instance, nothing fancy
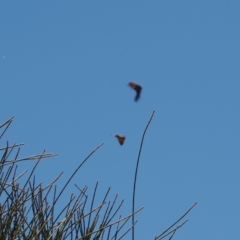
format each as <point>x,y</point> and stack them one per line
<point>121,138</point>
<point>137,88</point>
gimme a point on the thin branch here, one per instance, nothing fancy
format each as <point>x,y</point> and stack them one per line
<point>76,172</point>
<point>8,122</point>
<point>136,171</point>
<point>13,146</point>
<point>177,221</point>
<point>127,231</point>
<point>173,231</point>
<point>34,157</point>
<point>173,234</point>
<point>111,224</point>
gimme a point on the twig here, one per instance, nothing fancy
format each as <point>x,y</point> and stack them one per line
<point>111,224</point>
<point>177,221</point>
<point>173,234</point>
<point>173,231</point>
<point>8,122</point>
<point>34,157</point>
<point>76,171</point>
<point>135,178</point>
<point>13,146</point>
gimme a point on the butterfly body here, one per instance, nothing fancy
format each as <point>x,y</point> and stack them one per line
<point>121,138</point>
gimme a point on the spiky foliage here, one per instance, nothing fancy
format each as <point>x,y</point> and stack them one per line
<point>28,210</point>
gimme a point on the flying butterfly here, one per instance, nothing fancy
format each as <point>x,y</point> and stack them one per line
<point>121,138</point>
<point>137,88</point>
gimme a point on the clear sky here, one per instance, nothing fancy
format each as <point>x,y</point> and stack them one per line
<point>64,73</point>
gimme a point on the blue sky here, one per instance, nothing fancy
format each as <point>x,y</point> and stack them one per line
<point>64,70</point>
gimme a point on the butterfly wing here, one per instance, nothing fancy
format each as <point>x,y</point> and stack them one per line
<point>121,139</point>
<point>137,88</point>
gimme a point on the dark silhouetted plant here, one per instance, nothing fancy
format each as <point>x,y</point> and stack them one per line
<point>28,210</point>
